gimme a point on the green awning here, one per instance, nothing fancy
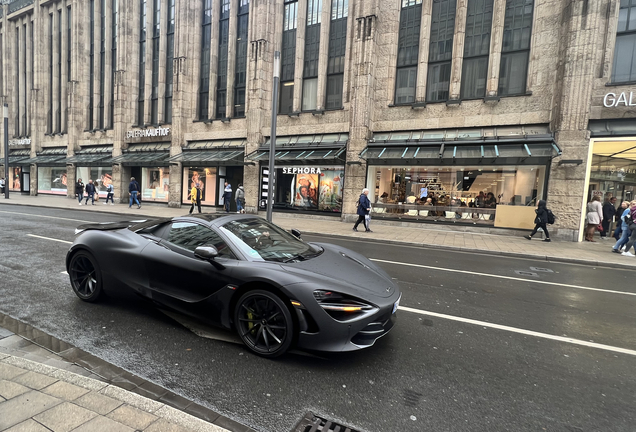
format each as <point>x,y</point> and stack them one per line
<point>305,148</point>
<point>144,154</point>
<point>300,155</point>
<point>94,155</point>
<point>48,156</point>
<point>17,156</point>
<point>235,156</point>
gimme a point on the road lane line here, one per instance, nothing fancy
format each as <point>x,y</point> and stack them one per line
<point>504,277</point>
<point>520,331</point>
<point>43,216</point>
<point>49,238</point>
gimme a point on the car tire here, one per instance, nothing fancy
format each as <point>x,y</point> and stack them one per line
<point>86,277</point>
<point>264,323</point>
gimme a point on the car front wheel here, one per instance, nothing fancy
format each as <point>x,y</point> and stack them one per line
<point>264,323</point>
<point>85,276</point>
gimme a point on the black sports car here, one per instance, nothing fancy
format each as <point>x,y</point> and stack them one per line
<point>241,272</point>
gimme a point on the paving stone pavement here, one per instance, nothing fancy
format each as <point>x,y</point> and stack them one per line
<point>408,233</point>
<point>36,396</point>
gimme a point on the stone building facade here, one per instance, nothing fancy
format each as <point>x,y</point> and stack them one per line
<point>523,99</point>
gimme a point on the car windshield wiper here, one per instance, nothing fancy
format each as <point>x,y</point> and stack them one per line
<point>298,257</point>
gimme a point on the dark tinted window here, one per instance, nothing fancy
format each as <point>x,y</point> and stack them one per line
<point>624,69</point>
<point>440,50</point>
<point>476,48</point>
<point>516,47</point>
<point>408,51</point>
<point>190,236</point>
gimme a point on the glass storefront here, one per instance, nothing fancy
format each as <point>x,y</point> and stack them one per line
<point>155,184</point>
<point>309,188</point>
<point>101,176</point>
<point>16,179</point>
<point>468,193</point>
<point>613,170</point>
<point>206,178</point>
<point>52,180</point>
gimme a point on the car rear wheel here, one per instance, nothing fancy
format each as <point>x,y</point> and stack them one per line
<point>85,276</point>
<point>264,323</point>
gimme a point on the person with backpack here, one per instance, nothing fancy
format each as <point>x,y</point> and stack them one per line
<point>110,192</point>
<point>364,208</point>
<point>133,189</point>
<point>630,219</point>
<point>624,226</point>
<point>544,217</point>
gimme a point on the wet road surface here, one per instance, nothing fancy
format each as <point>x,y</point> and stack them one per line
<point>429,373</point>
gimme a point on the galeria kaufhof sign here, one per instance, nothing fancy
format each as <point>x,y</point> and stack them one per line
<point>148,133</point>
<point>613,100</point>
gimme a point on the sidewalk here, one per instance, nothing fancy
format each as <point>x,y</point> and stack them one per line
<point>39,397</point>
<point>429,235</point>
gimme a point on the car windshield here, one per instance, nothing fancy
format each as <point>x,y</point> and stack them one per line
<point>262,240</point>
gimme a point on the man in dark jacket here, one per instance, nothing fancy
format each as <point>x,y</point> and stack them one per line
<point>364,207</point>
<point>133,189</point>
<point>90,192</point>
<point>609,211</point>
<point>79,190</point>
<point>541,221</point>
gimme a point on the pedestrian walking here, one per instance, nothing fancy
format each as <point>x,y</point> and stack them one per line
<point>619,219</point>
<point>79,190</point>
<point>630,219</point>
<point>543,218</point>
<point>195,197</point>
<point>240,199</point>
<point>227,197</point>
<point>2,183</point>
<point>133,189</point>
<point>624,227</point>
<point>594,218</point>
<point>110,192</point>
<point>609,211</point>
<point>364,208</point>
<point>90,192</point>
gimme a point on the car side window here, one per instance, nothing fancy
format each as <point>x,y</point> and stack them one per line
<point>190,236</point>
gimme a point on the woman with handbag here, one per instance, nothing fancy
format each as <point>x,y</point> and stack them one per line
<point>594,218</point>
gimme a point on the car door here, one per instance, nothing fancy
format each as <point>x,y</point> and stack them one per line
<point>174,270</point>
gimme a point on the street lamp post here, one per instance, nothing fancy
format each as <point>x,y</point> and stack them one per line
<point>6,151</point>
<point>272,140</point>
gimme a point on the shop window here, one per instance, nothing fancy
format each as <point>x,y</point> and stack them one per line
<point>155,184</point>
<point>408,51</point>
<point>624,69</point>
<point>101,176</point>
<point>476,48</point>
<point>205,178</point>
<point>515,50</point>
<point>15,183</point>
<point>307,188</point>
<point>52,180</point>
<point>440,50</point>
<point>190,236</point>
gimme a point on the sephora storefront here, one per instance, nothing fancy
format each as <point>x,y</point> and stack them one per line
<point>485,176</point>
<point>309,173</point>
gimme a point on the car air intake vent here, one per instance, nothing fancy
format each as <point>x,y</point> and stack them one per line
<point>313,423</point>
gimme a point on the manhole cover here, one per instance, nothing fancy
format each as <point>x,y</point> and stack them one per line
<point>541,270</point>
<point>526,273</point>
<point>313,423</point>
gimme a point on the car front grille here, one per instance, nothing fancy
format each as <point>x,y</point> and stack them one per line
<point>374,330</point>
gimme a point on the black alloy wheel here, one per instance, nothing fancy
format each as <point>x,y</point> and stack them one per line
<point>85,276</point>
<point>264,323</point>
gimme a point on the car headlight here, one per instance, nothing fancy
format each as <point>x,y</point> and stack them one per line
<point>342,307</point>
<point>79,231</point>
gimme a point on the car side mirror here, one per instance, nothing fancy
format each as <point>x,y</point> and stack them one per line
<point>206,252</point>
<point>296,233</point>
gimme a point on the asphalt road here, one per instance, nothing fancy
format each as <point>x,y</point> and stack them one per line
<point>431,373</point>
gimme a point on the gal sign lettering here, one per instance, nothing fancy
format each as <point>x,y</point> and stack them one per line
<point>612,100</point>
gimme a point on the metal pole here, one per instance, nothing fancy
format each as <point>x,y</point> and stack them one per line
<point>272,139</point>
<point>6,151</point>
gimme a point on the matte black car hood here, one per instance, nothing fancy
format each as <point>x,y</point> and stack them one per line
<point>347,267</point>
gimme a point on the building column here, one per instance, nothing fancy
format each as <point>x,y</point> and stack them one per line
<point>323,59</point>
<point>108,61</point>
<point>55,106</point>
<point>231,58</point>
<point>21,80</point>
<point>300,55</point>
<point>163,46</point>
<point>425,41</point>
<point>64,70</point>
<point>29,75</point>
<point>454,91</point>
<point>496,41</point>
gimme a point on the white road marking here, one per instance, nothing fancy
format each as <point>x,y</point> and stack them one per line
<point>64,273</point>
<point>49,238</point>
<point>505,277</point>
<point>521,331</point>
<point>43,216</point>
